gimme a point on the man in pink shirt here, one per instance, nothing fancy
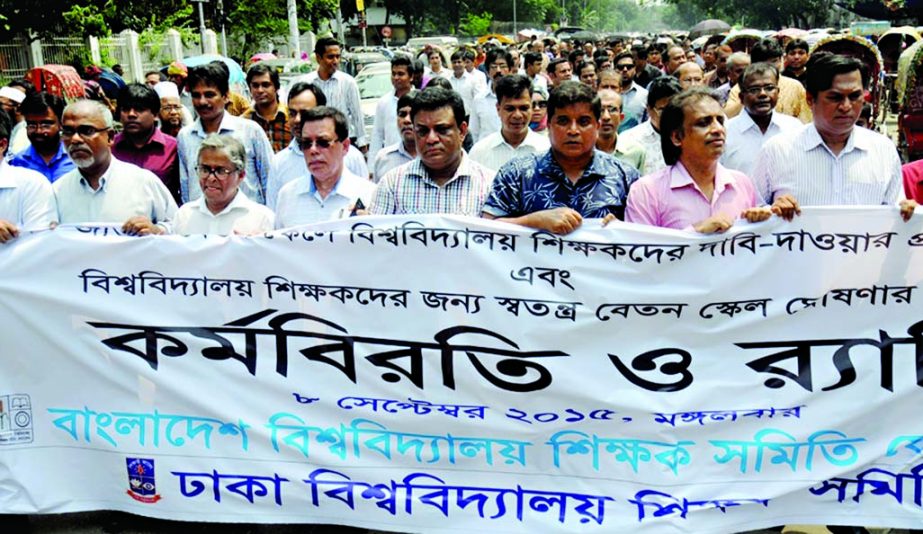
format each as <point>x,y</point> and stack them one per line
<point>694,192</point>
<point>913,180</point>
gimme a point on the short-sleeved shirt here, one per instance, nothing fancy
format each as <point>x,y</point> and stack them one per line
<point>389,158</point>
<point>408,189</point>
<point>59,165</point>
<point>493,151</point>
<point>158,155</point>
<point>670,198</point>
<point>537,182</point>
<point>241,215</point>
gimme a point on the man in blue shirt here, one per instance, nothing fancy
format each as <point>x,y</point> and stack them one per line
<point>46,154</point>
<point>555,190</point>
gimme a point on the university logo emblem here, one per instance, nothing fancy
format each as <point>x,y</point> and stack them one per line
<point>141,484</point>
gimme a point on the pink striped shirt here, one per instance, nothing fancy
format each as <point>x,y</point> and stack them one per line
<point>669,198</point>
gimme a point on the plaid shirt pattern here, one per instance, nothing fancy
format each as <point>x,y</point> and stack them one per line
<point>276,130</point>
<point>408,189</point>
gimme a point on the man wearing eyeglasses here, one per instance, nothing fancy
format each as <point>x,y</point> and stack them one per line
<point>103,189</point>
<point>830,162</point>
<point>46,155</point>
<point>749,131</point>
<point>442,178</point>
<point>634,96</point>
<point>328,190</point>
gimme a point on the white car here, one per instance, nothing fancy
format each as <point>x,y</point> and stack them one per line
<point>374,81</point>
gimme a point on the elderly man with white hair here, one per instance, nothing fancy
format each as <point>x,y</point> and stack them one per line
<point>222,209</point>
<point>103,189</point>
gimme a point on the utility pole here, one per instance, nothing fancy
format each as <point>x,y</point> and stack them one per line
<point>224,37</point>
<point>293,35</point>
<point>201,23</point>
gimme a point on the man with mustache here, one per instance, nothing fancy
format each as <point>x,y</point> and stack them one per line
<point>749,131</point>
<point>442,178</point>
<point>140,142</point>
<point>515,138</point>
<point>694,191</point>
<point>103,189</point>
<point>46,155</point>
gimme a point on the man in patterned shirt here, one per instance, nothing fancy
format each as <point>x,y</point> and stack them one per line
<point>442,178</point>
<point>555,190</point>
<point>267,111</point>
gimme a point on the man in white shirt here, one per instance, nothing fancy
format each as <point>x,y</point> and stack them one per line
<point>288,163</point>
<point>340,88</point>
<point>400,153</point>
<point>483,119</point>
<point>647,134</point>
<point>222,209</point>
<point>534,62</point>
<point>479,79</point>
<point>386,110</point>
<point>462,82</point>
<point>515,138</point>
<point>831,162</point>
<point>328,191</point>
<point>103,189</point>
<point>749,131</point>
<point>26,198</point>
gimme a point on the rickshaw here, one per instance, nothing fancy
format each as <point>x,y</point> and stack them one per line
<point>59,80</point>
<point>910,102</point>
<point>892,44</point>
<point>743,40</point>
<point>867,53</point>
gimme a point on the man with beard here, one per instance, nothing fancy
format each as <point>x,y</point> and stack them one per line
<point>272,116</point>
<point>42,112</point>
<point>515,138</point>
<point>102,188</point>
<point>694,191</point>
<point>140,142</point>
<point>394,156</point>
<point>634,97</point>
<point>749,131</point>
<point>26,199</point>
<point>173,115</point>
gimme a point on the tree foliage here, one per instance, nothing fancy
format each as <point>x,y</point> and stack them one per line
<point>771,14</point>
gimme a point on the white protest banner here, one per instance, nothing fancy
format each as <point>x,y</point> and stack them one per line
<point>448,374</point>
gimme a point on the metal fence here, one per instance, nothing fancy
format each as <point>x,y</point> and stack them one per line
<point>155,53</point>
<point>65,50</point>
<point>14,59</point>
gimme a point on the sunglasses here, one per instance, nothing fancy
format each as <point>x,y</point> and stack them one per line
<point>540,104</point>
<point>322,144</point>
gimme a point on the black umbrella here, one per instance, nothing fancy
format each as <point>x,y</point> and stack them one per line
<point>708,27</point>
<point>583,36</point>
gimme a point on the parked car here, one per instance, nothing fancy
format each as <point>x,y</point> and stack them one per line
<point>374,81</point>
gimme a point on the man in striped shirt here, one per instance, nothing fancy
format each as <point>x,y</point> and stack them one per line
<point>831,162</point>
<point>442,178</point>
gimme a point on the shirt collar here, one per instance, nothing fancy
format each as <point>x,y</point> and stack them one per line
<point>33,155</point>
<point>239,202</point>
<point>345,186</point>
<point>417,169</point>
<point>228,124</point>
<point>857,140</point>
<point>680,177</point>
<point>549,166</point>
<point>103,180</point>
<point>158,138</point>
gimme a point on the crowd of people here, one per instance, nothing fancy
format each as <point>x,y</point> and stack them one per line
<point>543,134</point>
